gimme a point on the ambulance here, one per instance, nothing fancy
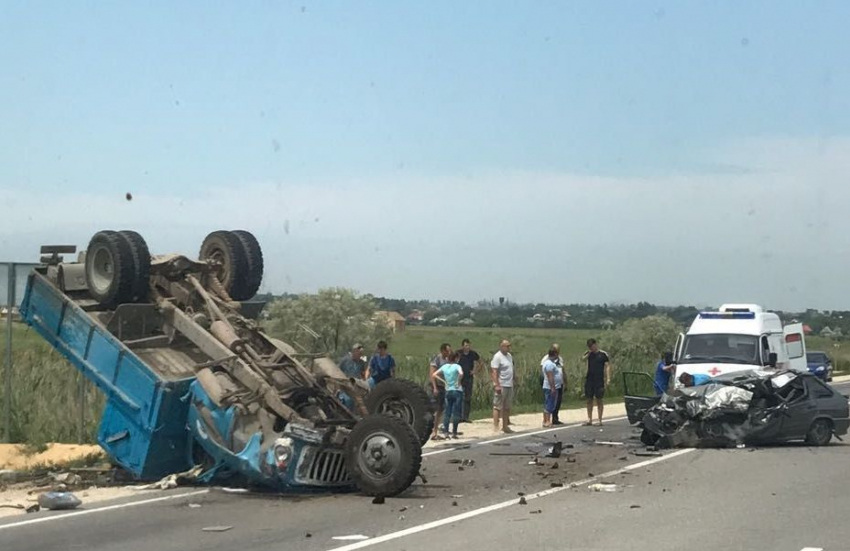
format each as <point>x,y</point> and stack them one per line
<point>739,337</point>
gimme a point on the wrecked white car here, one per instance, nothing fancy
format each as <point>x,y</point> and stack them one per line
<point>755,407</point>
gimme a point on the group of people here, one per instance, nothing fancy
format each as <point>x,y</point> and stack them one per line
<point>596,380</point>
<point>452,375</point>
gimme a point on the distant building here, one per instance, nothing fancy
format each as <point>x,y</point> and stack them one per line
<point>466,322</point>
<point>416,316</point>
<point>393,320</point>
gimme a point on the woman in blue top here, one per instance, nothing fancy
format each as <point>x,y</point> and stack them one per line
<point>452,375</point>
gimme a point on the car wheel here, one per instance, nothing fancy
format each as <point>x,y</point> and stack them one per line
<point>111,274</point>
<point>383,455</point>
<point>820,433</point>
<point>405,400</point>
<point>229,256</point>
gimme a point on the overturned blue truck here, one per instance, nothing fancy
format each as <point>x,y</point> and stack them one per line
<point>191,379</point>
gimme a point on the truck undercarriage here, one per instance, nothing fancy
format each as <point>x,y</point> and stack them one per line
<point>192,379</point>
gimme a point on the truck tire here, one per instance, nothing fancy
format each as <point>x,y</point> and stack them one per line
<point>233,270</point>
<point>820,433</point>
<point>255,261</point>
<point>383,455</point>
<point>110,269</point>
<point>142,260</point>
<point>405,400</point>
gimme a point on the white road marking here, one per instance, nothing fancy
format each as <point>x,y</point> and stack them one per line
<point>812,549</point>
<point>511,437</point>
<point>497,506</point>
<point>39,520</point>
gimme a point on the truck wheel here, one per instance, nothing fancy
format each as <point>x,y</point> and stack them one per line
<point>226,251</point>
<point>820,433</point>
<point>142,260</point>
<point>110,269</point>
<point>383,455</point>
<point>255,261</point>
<point>405,400</point>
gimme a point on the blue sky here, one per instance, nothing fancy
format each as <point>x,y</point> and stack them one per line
<point>466,122</point>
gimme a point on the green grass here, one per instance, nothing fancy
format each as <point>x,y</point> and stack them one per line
<point>414,348</point>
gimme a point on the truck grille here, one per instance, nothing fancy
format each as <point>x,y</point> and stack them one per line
<point>327,467</point>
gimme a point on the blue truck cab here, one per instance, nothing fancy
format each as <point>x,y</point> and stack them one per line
<point>193,383</point>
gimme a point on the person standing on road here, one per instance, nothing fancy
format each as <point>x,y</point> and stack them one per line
<point>598,377</point>
<point>452,378</point>
<point>353,364</point>
<point>560,382</point>
<point>502,375</point>
<point>550,388</point>
<point>469,361</point>
<point>439,387</point>
<point>663,371</point>
<point>381,367</point>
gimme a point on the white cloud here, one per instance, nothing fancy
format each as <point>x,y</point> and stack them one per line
<point>768,225</point>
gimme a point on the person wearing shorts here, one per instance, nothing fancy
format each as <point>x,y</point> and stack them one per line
<point>439,361</point>
<point>502,375</point>
<point>598,377</point>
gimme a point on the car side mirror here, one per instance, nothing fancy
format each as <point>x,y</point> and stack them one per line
<point>772,359</point>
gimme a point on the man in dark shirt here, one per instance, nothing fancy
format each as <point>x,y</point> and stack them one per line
<point>598,377</point>
<point>468,360</point>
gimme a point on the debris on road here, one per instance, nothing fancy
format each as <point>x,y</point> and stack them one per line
<point>555,450</point>
<point>403,509</point>
<point>194,506</point>
<point>217,528</point>
<point>522,501</point>
<point>537,512</point>
<point>556,484</point>
<point>607,443</point>
<point>173,480</point>
<point>354,537</point>
<point>71,479</point>
<point>58,501</point>
<point>379,500</point>
<point>234,490</point>
<point>468,463</point>
<point>454,503</point>
<point>571,459</point>
<point>603,487</point>
<point>634,506</point>
<point>641,453</point>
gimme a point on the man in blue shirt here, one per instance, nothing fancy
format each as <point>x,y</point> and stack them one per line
<point>382,366</point>
<point>694,380</point>
<point>663,371</point>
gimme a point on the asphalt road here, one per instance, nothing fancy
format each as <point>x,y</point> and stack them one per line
<point>791,497</point>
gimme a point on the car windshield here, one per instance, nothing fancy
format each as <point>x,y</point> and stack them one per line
<point>721,348</point>
<point>816,357</point>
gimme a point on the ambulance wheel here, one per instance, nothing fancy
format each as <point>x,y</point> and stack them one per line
<point>383,455</point>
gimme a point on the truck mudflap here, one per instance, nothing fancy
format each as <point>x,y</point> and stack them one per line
<point>293,460</point>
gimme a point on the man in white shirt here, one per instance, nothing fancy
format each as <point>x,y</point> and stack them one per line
<point>559,381</point>
<point>502,375</point>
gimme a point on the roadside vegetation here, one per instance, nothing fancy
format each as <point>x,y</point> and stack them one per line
<point>47,391</point>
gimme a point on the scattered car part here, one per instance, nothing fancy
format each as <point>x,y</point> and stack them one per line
<point>58,501</point>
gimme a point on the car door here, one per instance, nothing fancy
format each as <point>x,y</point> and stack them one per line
<point>802,408</point>
<point>640,395</point>
<point>795,345</point>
